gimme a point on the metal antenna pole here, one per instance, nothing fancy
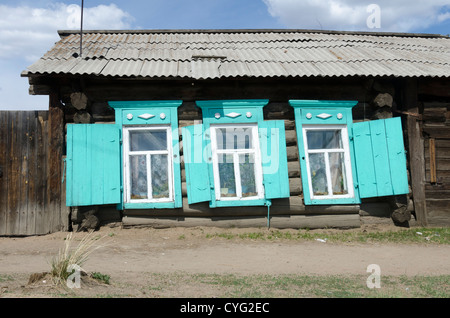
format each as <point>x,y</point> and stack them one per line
<point>81,29</point>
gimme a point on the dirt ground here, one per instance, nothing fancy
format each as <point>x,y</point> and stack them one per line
<point>130,255</point>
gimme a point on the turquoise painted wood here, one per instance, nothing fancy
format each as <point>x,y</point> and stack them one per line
<point>274,159</point>
<point>380,158</point>
<point>195,165</point>
<point>362,141</point>
<point>153,112</point>
<point>232,111</point>
<point>93,165</point>
<point>397,155</point>
<point>323,112</point>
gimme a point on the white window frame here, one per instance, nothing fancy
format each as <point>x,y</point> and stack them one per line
<point>347,161</point>
<point>236,152</point>
<point>127,153</point>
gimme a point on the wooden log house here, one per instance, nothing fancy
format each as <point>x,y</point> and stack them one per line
<point>280,128</point>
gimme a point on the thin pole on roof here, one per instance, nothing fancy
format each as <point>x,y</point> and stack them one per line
<point>81,29</point>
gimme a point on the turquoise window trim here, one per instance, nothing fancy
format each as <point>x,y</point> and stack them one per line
<point>163,112</point>
<point>324,112</point>
<point>229,112</point>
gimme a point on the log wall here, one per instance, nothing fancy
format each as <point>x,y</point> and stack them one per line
<point>93,108</point>
<point>436,128</point>
<point>422,105</point>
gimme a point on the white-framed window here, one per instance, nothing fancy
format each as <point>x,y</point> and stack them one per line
<point>236,162</point>
<point>148,168</point>
<point>328,161</point>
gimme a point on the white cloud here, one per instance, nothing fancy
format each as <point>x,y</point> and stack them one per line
<point>28,32</point>
<point>398,15</point>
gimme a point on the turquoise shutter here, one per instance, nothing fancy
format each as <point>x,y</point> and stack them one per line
<point>93,164</point>
<point>380,158</point>
<point>196,168</point>
<point>274,159</point>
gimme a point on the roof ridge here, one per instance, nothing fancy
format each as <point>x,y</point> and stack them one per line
<point>63,33</point>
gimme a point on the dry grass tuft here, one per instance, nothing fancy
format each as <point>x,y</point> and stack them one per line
<point>62,266</point>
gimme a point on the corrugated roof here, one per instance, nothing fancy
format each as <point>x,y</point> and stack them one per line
<point>208,54</point>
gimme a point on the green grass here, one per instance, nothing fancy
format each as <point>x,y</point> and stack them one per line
<point>104,278</point>
<point>5,278</point>
<point>411,235</point>
<point>301,286</point>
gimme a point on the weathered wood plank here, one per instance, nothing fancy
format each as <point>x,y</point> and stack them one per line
<point>432,161</point>
<point>41,173</point>
<point>56,145</point>
<point>434,114</point>
<point>416,151</point>
<point>4,170</point>
<point>32,172</point>
<point>23,174</point>
<point>14,151</point>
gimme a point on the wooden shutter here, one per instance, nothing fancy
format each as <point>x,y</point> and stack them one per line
<point>93,164</point>
<point>195,165</point>
<point>274,159</point>
<point>380,158</point>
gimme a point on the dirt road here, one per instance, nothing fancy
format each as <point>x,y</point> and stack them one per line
<point>125,254</point>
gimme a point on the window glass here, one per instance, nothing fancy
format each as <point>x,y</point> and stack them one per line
<point>318,173</point>
<point>160,181</point>
<point>234,138</point>
<point>226,175</point>
<point>138,174</point>
<point>337,167</point>
<point>324,139</point>
<point>147,140</point>
<point>247,171</point>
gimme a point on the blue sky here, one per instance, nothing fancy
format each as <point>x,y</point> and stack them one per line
<point>29,28</point>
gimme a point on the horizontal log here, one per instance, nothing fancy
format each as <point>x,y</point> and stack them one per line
<point>280,222</point>
<point>295,186</point>
<point>293,205</point>
<point>39,89</point>
<point>293,169</point>
<point>79,100</point>
<point>437,131</point>
<point>291,137</point>
<point>292,153</point>
<point>435,114</point>
<point>380,209</point>
<point>439,143</point>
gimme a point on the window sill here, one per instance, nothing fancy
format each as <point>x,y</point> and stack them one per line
<point>237,203</point>
<point>150,205</point>
<point>332,201</point>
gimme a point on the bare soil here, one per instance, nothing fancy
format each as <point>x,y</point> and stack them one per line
<point>136,258</point>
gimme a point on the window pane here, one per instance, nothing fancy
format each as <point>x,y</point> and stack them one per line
<point>247,171</point>
<point>160,178</point>
<point>338,181</point>
<point>138,174</point>
<point>226,176</point>
<point>324,139</point>
<point>318,174</point>
<point>144,140</point>
<point>234,138</point>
